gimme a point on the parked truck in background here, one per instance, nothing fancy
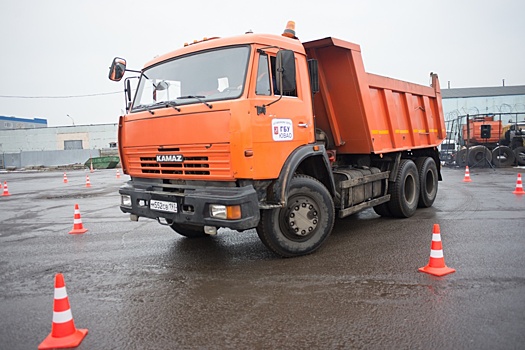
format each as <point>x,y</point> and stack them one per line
<point>491,143</point>
<point>263,131</point>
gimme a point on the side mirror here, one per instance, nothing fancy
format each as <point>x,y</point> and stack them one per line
<point>285,71</point>
<point>117,69</point>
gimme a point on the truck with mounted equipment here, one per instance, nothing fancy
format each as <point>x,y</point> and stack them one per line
<point>263,131</point>
<point>486,141</point>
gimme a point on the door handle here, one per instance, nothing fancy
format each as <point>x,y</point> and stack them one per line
<point>302,125</point>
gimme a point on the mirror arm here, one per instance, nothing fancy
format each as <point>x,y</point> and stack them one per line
<point>262,109</point>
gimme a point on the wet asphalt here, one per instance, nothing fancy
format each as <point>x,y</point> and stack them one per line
<point>139,285</point>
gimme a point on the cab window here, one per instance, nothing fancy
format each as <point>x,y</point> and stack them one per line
<point>263,87</point>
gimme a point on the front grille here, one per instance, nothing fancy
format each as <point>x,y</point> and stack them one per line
<point>200,161</point>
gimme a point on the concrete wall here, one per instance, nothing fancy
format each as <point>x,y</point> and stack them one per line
<point>52,139</point>
<point>46,158</point>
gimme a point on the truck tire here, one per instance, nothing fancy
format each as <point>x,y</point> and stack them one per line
<point>303,225</point>
<point>382,210</point>
<point>478,155</point>
<point>189,231</point>
<point>520,155</point>
<point>516,142</point>
<point>461,158</point>
<point>503,156</point>
<point>405,191</point>
<point>428,181</point>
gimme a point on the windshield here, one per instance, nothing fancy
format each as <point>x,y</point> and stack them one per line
<point>206,76</point>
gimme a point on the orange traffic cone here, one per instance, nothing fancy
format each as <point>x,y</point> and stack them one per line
<point>118,174</point>
<point>91,166</point>
<point>65,178</point>
<point>77,222</point>
<point>519,186</point>
<point>63,332</point>
<point>6,191</point>
<point>436,265</point>
<point>88,183</point>
<point>467,175</point>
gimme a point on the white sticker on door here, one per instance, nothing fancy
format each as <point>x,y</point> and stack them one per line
<point>282,129</point>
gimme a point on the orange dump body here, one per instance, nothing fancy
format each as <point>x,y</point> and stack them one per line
<point>366,113</point>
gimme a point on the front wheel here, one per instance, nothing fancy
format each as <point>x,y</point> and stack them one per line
<point>303,225</point>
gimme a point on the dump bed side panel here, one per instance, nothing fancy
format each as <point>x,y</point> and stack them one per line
<point>367,113</point>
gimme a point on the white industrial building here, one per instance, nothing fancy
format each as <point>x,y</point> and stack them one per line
<point>55,146</point>
<point>484,100</point>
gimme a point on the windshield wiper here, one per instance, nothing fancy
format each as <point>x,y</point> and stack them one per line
<point>173,104</point>
<point>161,104</point>
<point>197,97</point>
<point>144,107</point>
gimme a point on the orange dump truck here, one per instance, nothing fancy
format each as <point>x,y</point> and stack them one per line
<point>266,132</point>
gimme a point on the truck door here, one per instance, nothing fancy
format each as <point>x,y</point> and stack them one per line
<point>281,122</point>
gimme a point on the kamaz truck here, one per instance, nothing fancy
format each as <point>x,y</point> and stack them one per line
<point>263,131</point>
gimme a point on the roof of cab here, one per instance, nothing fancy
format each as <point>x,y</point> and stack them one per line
<point>248,38</point>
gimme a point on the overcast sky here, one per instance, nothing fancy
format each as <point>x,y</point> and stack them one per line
<point>58,48</point>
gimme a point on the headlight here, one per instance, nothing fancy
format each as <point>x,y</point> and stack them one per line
<point>125,200</point>
<point>229,212</point>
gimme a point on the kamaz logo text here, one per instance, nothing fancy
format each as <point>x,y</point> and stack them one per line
<point>174,158</point>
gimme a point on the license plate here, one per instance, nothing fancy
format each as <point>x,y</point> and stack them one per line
<point>163,206</point>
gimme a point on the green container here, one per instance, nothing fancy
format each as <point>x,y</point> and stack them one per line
<point>108,162</point>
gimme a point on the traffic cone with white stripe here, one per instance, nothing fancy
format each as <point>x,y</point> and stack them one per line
<point>467,175</point>
<point>88,183</point>
<point>519,186</point>
<point>63,332</point>
<point>436,265</point>
<point>91,166</point>
<point>6,190</point>
<point>118,174</point>
<point>65,178</point>
<point>77,222</point>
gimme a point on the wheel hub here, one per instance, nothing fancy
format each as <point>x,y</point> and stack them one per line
<point>303,218</point>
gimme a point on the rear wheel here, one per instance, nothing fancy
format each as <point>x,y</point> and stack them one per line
<point>405,191</point>
<point>428,181</point>
<point>303,225</point>
<point>189,231</point>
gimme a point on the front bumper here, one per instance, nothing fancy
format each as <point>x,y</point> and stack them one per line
<point>193,203</point>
